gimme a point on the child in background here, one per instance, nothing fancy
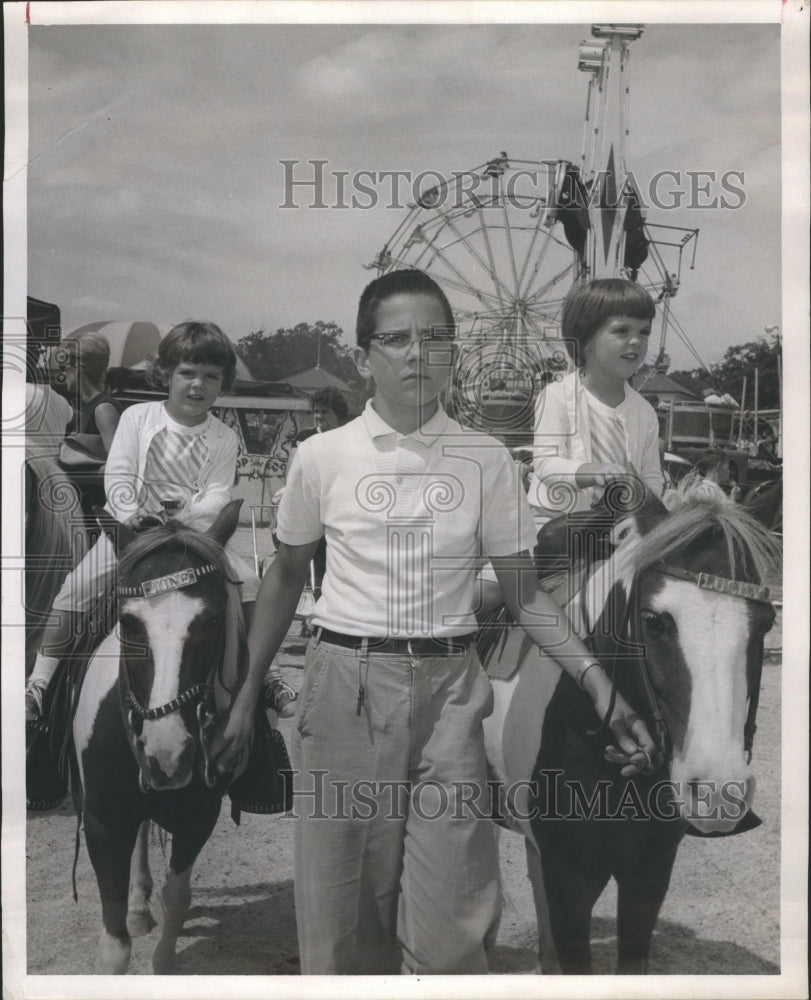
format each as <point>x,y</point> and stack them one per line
<point>393,695</point>
<point>171,454</point>
<point>591,427</point>
<point>97,412</point>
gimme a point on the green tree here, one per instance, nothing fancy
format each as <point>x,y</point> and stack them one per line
<point>740,361</point>
<point>273,357</point>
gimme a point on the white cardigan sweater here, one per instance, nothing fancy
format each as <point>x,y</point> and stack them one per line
<point>562,443</point>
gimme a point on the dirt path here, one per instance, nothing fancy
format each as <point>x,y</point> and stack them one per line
<point>721,915</point>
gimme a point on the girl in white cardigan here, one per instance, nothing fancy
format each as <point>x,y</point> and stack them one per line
<point>591,427</point>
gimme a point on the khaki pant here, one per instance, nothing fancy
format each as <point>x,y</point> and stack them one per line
<point>395,863</point>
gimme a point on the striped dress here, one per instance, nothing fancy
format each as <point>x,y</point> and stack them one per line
<point>173,467</point>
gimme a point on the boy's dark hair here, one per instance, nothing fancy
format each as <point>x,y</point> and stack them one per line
<point>333,400</point>
<point>199,343</point>
<point>590,304</point>
<point>405,282</point>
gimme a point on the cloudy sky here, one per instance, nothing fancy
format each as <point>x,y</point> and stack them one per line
<point>155,180</point>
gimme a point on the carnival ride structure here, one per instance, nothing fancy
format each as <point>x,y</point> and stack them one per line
<point>508,238</point>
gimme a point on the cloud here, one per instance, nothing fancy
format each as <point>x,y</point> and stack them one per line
<point>156,178</point>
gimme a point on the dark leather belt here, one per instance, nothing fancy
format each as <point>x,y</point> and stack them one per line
<point>418,646</point>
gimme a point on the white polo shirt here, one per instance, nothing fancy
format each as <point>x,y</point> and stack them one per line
<point>408,520</point>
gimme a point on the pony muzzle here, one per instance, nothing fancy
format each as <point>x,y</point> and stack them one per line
<point>713,806</point>
<point>166,753</point>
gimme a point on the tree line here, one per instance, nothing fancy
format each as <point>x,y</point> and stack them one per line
<point>273,357</point>
<point>740,361</point>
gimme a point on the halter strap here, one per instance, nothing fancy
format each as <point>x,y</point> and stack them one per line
<point>195,691</point>
<point>720,584</point>
<point>163,584</point>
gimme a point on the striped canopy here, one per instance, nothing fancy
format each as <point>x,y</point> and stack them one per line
<point>134,343</point>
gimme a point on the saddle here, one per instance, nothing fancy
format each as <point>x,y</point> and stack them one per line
<point>266,785</point>
<point>48,739</point>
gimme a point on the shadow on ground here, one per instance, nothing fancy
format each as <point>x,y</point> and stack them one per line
<point>675,951</point>
<point>253,936</point>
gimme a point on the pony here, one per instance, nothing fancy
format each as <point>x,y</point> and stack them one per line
<point>670,598</point>
<point>143,723</point>
<point>55,541</point>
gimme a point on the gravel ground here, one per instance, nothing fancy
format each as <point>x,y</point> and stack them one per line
<point>721,916</point>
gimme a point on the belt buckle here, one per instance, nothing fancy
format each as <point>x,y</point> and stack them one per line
<point>411,651</point>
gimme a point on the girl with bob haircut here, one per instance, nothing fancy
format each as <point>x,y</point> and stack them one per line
<point>591,426</point>
<point>169,458</point>
<point>589,304</point>
<point>200,343</point>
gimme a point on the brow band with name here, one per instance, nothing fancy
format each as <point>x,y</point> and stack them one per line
<point>164,584</point>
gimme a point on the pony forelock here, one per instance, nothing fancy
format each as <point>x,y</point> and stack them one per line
<point>698,507</point>
<point>203,545</point>
<point>695,508</point>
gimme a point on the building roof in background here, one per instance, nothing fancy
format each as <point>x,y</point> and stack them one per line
<point>658,382</point>
<point>316,378</point>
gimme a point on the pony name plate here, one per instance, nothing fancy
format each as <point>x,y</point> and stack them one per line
<point>172,581</point>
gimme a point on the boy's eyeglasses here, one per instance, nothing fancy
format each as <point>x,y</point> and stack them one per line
<point>398,344</point>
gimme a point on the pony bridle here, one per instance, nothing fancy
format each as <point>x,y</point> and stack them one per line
<point>201,693</point>
<point>732,588</point>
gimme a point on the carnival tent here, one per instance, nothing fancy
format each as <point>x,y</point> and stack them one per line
<point>134,343</point>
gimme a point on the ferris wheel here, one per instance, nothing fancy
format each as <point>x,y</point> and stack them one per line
<point>507,239</point>
<point>493,239</point>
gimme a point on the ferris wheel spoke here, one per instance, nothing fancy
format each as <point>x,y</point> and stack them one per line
<point>463,283</point>
<point>542,293</point>
<point>550,243</point>
<point>487,244</point>
<point>509,239</point>
<point>530,255</point>
<point>464,239</point>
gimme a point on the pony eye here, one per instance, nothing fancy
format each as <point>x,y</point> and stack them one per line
<point>208,622</point>
<point>130,623</point>
<point>653,623</point>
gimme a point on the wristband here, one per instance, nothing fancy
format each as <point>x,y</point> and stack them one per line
<point>585,666</point>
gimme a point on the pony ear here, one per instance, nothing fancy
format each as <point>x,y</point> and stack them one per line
<point>582,536</point>
<point>226,522</point>
<point>119,534</point>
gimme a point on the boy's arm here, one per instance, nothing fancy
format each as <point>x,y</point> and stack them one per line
<point>276,604</point>
<point>547,625</point>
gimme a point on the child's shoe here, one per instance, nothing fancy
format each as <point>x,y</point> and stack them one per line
<point>278,695</point>
<point>34,692</point>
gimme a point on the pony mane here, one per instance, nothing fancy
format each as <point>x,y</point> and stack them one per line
<point>697,506</point>
<point>156,538</point>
